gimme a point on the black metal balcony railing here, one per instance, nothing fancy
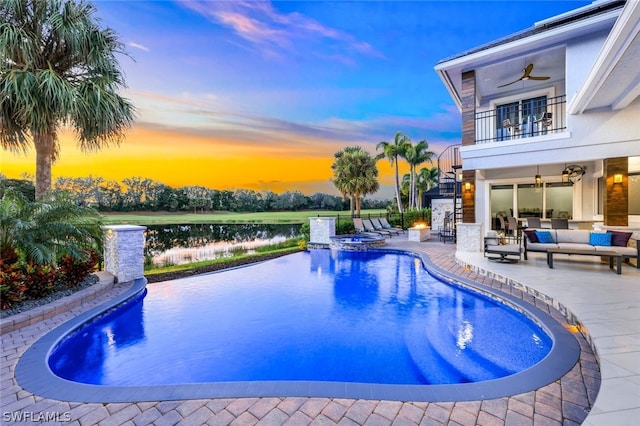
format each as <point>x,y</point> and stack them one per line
<point>522,119</point>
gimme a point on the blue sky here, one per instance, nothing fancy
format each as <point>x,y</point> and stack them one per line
<point>287,84</point>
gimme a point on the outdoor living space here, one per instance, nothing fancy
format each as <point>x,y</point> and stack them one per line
<point>605,308</point>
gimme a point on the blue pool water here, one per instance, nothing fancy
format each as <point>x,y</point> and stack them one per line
<point>370,317</point>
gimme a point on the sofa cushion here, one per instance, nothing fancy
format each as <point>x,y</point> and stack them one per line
<point>572,236</point>
<point>492,234</point>
<point>540,246</point>
<point>545,237</point>
<point>503,248</point>
<point>619,238</point>
<point>600,239</point>
<point>532,236</point>
<point>627,251</point>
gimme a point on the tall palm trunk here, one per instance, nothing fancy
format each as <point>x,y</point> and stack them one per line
<point>44,144</point>
<point>414,188</point>
<point>398,199</point>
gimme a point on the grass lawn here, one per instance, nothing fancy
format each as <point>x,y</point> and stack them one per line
<point>164,218</point>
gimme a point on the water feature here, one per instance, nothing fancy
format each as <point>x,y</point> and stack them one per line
<point>358,242</point>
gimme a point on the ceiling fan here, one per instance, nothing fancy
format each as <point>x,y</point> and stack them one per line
<point>527,76</point>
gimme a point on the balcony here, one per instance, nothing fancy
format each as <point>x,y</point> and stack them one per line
<point>522,119</point>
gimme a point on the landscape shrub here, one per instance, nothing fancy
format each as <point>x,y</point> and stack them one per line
<point>21,281</point>
<point>413,216</point>
<point>40,280</point>
<point>12,287</point>
<point>305,230</point>
<point>72,272</point>
<point>345,227</point>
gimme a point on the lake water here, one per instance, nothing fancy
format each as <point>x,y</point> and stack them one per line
<point>178,244</point>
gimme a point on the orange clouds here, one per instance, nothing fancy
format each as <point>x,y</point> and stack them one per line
<point>181,158</point>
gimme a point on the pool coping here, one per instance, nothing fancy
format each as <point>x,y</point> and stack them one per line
<point>34,375</point>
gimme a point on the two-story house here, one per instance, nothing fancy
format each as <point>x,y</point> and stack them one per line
<point>551,119</point>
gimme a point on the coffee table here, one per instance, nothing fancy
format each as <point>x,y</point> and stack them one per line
<point>587,252</point>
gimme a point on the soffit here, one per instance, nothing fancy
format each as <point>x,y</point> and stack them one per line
<point>614,81</point>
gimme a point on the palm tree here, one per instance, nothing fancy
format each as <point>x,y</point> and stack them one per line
<point>355,175</point>
<point>416,155</point>
<point>43,231</point>
<point>391,151</point>
<point>427,178</point>
<point>58,69</point>
<point>405,184</point>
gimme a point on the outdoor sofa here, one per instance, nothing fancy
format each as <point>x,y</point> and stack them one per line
<point>539,240</point>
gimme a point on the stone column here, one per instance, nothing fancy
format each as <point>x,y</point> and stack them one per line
<point>469,237</point>
<point>124,251</point>
<point>322,229</point>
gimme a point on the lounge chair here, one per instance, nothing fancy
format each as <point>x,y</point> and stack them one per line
<point>378,226</point>
<point>368,227</point>
<point>386,225</point>
<point>359,227</point>
<point>496,249</point>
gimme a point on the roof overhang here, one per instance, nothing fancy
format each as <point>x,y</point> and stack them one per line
<point>614,80</point>
<point>511,55</point>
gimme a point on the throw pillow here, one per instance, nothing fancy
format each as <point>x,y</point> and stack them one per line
<point>619,238</point>
<point>600,239</point>
<point>544,237</point>
<point>532,236</point>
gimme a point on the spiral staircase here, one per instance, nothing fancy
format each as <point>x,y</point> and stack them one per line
<point>450,186</point>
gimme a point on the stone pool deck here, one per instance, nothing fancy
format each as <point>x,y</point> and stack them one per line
<point>566,401</point>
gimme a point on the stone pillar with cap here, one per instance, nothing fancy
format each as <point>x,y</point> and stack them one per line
<point>124,251</point>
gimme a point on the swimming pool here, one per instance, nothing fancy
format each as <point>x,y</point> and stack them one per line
<point>313,320</point>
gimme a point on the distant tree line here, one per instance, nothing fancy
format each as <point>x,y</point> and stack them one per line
<point>143,194</point>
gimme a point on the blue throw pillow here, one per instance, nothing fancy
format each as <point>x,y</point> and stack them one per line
<point>600,239</point>
<point>544,237</point>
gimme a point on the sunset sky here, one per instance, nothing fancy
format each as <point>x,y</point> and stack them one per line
<point>260,95</point>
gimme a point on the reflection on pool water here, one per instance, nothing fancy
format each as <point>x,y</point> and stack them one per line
<point>371,317</point>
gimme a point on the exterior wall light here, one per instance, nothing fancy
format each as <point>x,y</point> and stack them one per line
<point>467,186</point>
<point>538,178</point>
<point>617,178</point>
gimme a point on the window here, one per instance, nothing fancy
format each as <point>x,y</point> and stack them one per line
<point>559,200</point>
<point>530,201</point>
<point>519,119</point>
<point>501,203</point>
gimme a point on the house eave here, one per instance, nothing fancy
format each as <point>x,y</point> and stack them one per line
<point>622,44</point>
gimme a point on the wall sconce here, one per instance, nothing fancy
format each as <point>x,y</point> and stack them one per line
<point>538,177</point>
<point>467,186</point>
<point>617,178</point>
